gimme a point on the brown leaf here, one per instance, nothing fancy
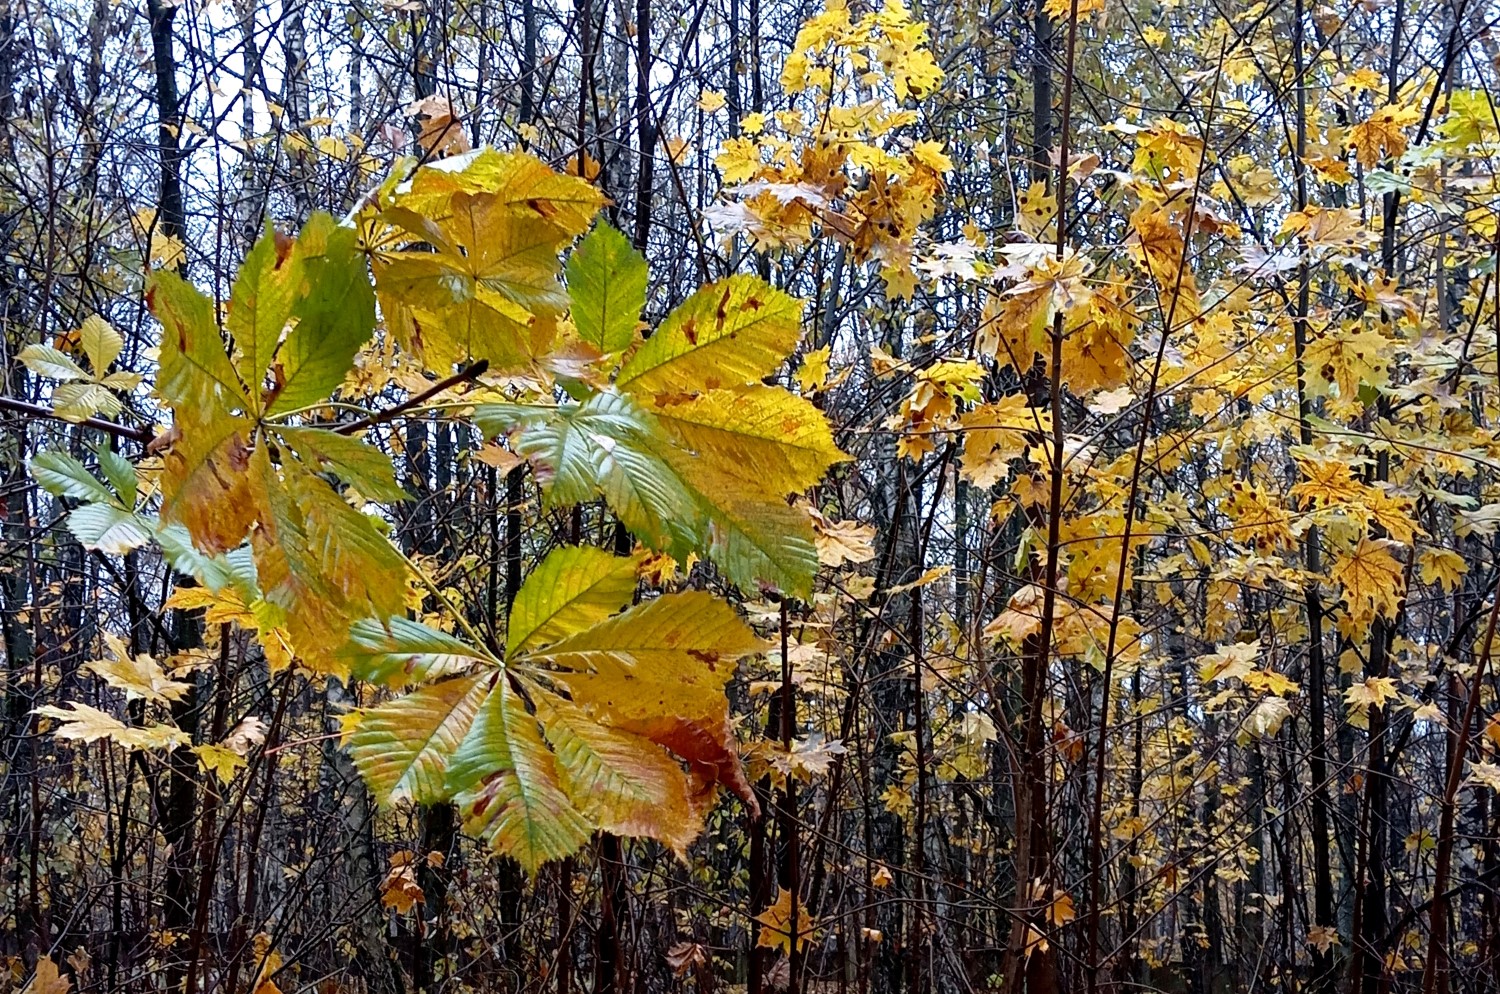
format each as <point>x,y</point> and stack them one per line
<point>442,129</point>
<point>46,979</point>
<point>685,956</point>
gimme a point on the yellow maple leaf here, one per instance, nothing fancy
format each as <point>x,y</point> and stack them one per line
<point>1372,579</point>
<point>1271,682</point>
<point>1229,662</point>
<point>1373,692</point>
<point>778,925</point>
<point>1062,10</point>
<point>994,434</point>
<point>222,762</point>
<point>931,155</point>
<point>139,675</point>
<point>738,160</point>
<point>1443,567</point>
<point>47,979</point>
<point>1381,135</point>
<point>841,542</point>
<point>1326,482</point>
<point>88,724</point>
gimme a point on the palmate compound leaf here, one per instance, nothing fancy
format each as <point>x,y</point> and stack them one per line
<point>320,561</point>
<point>108,529</point>
<point>63,476</point>
<point>403,748</point>
<point>334,316</point>
<point>303,308</point>
<point>770,440</point>
<point>534,772</point>
<point>623,782</point>
<point>486,284</point>
<point>318,286</point>
<point>260,305</point>
<point>659,670</point>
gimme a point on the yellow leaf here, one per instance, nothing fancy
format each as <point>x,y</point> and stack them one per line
<point>1229,662</point>
<point>399,889</point>
<point>1373,692</point>
<point>711,100</point>
<point>88,724</point>
<point>780,923</point>
<point>1061,10</point>
<point>623,782</point>
<point>1372,579</point>
<point>1270,682</point>
<point>139,676</point>
<point>738,160</point>
<point>932,575</point>
<point>995,434</point>
<point>841,542</point>
<point>813,373</point>
<point>1443,567</point>
<point>1381,135</point>
<point>1485,773</point>
<point>931,155</point>
<point>222,762</point>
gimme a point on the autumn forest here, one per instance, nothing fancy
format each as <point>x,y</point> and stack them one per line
<point>708,496</point>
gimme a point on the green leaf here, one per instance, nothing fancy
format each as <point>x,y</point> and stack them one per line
<point>602,448</point>
<point>403,748</point>
<point>108,529</point>
<point>205,486</point>
<point>727,334</point>
<point>678,499</point>
<point>321,561</point>
<point>573,588</point>
<point>607,288</point>
<point>51,363</point>
<point>119,471</point>
<point>507,785</point>
<point>260,305</point>
<point>362,466</point>
<point>196,374</point>
<point>63,476</point>
<point>402,652</point>
<point>77,402</point>
<point>235,568</point>
<point>334,317</point>
<point>753,539</point>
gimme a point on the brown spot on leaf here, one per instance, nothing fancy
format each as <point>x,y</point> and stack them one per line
<point>690,331</point>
